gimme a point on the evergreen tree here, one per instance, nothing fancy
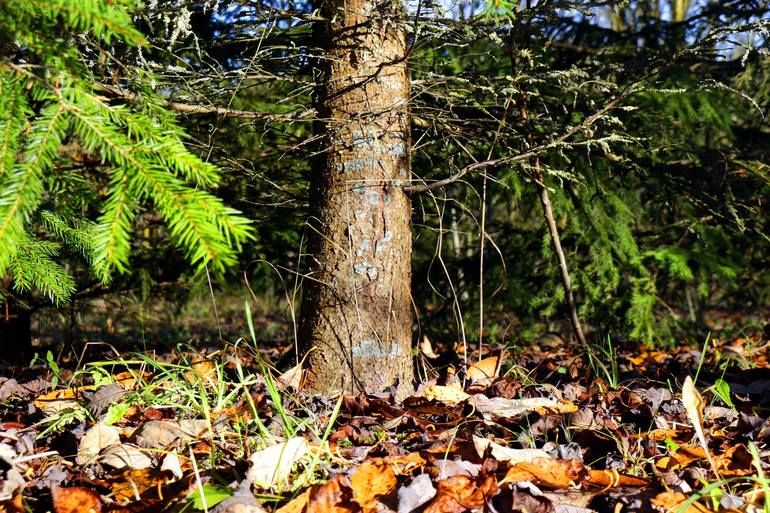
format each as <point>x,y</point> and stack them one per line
<point>56,114</point>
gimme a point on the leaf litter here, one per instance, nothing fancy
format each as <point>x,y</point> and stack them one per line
<point>559,432</point>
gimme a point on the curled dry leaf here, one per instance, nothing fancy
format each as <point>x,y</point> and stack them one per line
<point>735,461</point>
<point>614,479</point>
<point>500,407</point>
<point>502,453</point>
<point>426,348</point>
<point>60,400</point>
<point>161,434</point>
<point>293,377</point>
<point>546,472</point>
<point>373,479</point>
<point>485,369</point>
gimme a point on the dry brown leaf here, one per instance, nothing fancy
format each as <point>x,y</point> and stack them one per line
<point>502,453</point>
<point>332,497</point>
<point>426,348</point>
<point>551,473</point>
<point>98,437</point>
<point>673,502</point>
<point>59,400</point>
<point>451,394</point>
<point>735,461</point>
<point>76,499</point>
<point>460,493</point>
<point>484,369</point>
<point>681,457</point>
<point>293,377</point>
<point>373,479</point>
<point>13,505</point>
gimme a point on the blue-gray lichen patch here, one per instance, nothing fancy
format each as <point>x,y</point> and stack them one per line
<point>383,242</point>
<point>369,348</point>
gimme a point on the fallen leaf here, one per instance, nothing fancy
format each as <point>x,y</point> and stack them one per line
<point>417,493</point>
<point>293,377</point>
<point>59,400</point>
<point>133,483</point>
<point>162,434</point>
<point>12,481</point>
<point>735,461</point>
<point>426,348</point>
<point>122,456</point>
<point>500,407</point>
<point>372,479</point>
<point>548,472</point>
<point>98,436</point>
<point>461,493</point>
<point>272,466</point>
<point>172,464</point>
<point>451,394</point>
<point>75,499</point>
<point>297,504</point>
<point>502,453</point>
<point>484,369</point>
<point>673,502</point>
<point>693,404</point>
<point>613,479</point>
<point>334,496</point>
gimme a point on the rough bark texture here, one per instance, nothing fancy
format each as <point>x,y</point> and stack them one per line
<point>357,312</point>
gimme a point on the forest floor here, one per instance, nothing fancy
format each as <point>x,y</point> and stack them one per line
<point>551,428</point>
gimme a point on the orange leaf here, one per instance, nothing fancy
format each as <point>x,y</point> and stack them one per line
<point>484,369</point>
<point>672,502</point>
<point>297,504</point>
<point>551,473</point>
<point>735,461</point>
<point>613,479</point>
<point>76,499</point>
<point>372,479</point>
<point>460,493</point>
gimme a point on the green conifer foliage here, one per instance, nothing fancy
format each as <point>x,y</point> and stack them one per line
<point>53,109</point>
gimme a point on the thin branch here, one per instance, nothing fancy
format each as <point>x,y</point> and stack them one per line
<point>223,112</point>
<point>534,152</point>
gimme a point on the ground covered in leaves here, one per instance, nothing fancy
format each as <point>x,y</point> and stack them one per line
<point>552,428</point>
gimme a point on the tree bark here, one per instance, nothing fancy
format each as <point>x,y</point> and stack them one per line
<point>357,314</point>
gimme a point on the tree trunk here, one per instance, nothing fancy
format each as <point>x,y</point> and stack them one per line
<point>357,312</point>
